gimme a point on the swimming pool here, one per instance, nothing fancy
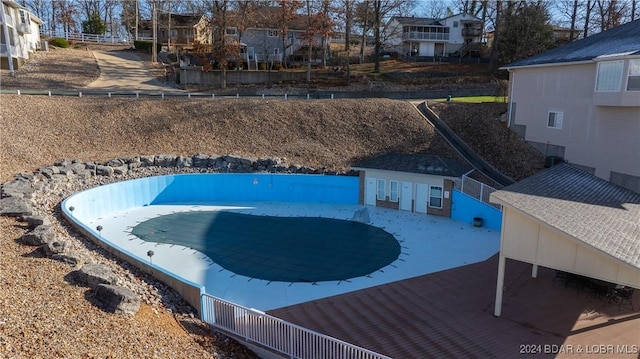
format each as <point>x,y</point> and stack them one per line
<point>425,243</point>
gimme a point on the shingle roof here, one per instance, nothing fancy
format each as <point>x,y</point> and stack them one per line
<point>417,21</point>
<point>590,209</point>
<point>623,39</point>
<point>415,163</point>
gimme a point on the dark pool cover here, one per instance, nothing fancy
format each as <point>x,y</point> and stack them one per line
<point>288,249</point>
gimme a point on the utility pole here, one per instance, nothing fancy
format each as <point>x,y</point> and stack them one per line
<point>154,23</point>
<point>137,15</point>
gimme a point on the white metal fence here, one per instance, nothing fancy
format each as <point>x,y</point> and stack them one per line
<point>79,36</point>
<point>276,334</point>
<point>477,190</point>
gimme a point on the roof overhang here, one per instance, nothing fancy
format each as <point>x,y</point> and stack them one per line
<point>552,64</point>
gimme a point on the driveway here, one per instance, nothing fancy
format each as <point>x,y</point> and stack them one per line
<point>125,71</point>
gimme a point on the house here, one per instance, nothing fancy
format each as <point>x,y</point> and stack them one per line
<point>459,34</point>
<point>574,222</point>
<point>409,182</point>
<point>580,104</point>
<point>20,35</point>
<point>261,41</point>
<point>178,30</point>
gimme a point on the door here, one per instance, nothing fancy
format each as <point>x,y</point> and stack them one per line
<point>370,191</point>
<point>406,195</point>
<point>422,191</point>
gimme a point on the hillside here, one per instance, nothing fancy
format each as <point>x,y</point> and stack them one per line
<point>36,131</point>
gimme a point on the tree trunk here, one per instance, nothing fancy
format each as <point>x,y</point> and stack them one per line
<point>364,35</point>
<point>376,34</point>
<point>347,37</point>
<point>493,59</point>
<point>586,20</point>
<point>309,42</point>
<point>574,13</point>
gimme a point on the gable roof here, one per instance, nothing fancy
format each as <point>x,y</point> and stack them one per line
<point>269,17</point>
<point>415,163</point>
<point>588,208</point>
<point>416,21</point>
<point>623,39</point>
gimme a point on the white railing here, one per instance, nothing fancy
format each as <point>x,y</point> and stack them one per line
<point>79,36</point>
<point>416,35</point>
<point>477,190</point>
<point>276,334</point>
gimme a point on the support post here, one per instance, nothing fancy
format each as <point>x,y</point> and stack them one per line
<point>534,271</point>
<point>499,286</point>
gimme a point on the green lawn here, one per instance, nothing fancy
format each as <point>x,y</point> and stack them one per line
<point>477,99</point>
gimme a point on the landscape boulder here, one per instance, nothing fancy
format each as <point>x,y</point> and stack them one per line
<point>39,235</point>
<point>15,207</point>
<point>93,274</point>
<point>36,220</point>
<point>116,299</point>
<point>55,247</point>
<point>20,187</point>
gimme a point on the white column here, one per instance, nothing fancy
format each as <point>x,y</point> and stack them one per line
<point>534,271</point>
<point>499,286</point>
<point>7,40</point>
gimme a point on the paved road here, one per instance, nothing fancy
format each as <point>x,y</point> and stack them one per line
<point>125,71</point>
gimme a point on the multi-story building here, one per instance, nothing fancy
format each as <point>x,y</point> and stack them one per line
<point>19,35</point>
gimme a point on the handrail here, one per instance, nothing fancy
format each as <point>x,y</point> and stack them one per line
<point>462,148</point>
<point>276,334</point>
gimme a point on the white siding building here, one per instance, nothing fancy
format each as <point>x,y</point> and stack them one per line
<point>19,35</point>
<point>580,103</point>
<point>457,35</point>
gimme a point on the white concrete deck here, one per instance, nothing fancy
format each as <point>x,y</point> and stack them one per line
<point>429,244</point>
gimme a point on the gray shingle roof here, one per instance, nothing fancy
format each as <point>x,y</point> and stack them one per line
<point>417,21</point>
<point>618,40</point>
<point>590,209</point>
<point>415,163</point>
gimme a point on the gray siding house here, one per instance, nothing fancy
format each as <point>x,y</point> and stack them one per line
<point>262,41</point>
<point>580,104</point>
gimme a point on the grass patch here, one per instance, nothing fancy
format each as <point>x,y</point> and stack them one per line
<point>477,99</point>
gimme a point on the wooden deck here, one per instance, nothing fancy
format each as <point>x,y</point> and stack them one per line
<point>450,314</point>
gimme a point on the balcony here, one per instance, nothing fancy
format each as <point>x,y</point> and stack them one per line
<point>417,35</point>
<point>471,32</point>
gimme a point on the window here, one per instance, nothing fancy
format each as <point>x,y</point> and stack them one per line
<point>455,24</point>
<point>276,50</point>
<point>393,191</point>
<point>272,33</point>
<point>435,197</point>
<point>24,17</point>
<point>609,76</point>
<point>382,190</point>
<point>554,120</point>
<point>633,83</point>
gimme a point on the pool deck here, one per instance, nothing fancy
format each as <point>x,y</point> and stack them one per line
<point>436,301</point>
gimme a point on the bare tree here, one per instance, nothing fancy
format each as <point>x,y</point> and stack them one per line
<point>288,11</point>
<point>493,59</point>
<point>610,13</point>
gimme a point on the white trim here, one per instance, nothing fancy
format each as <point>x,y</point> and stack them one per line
<point>608,77</point>
<point>384,189</point>
<point>397,197</point>
<point>557,119</point>
<point>441,196</point>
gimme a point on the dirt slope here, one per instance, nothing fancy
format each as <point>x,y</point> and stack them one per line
<point>36,131</point>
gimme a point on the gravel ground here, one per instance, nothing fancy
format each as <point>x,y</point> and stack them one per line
<point>41,315</point>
